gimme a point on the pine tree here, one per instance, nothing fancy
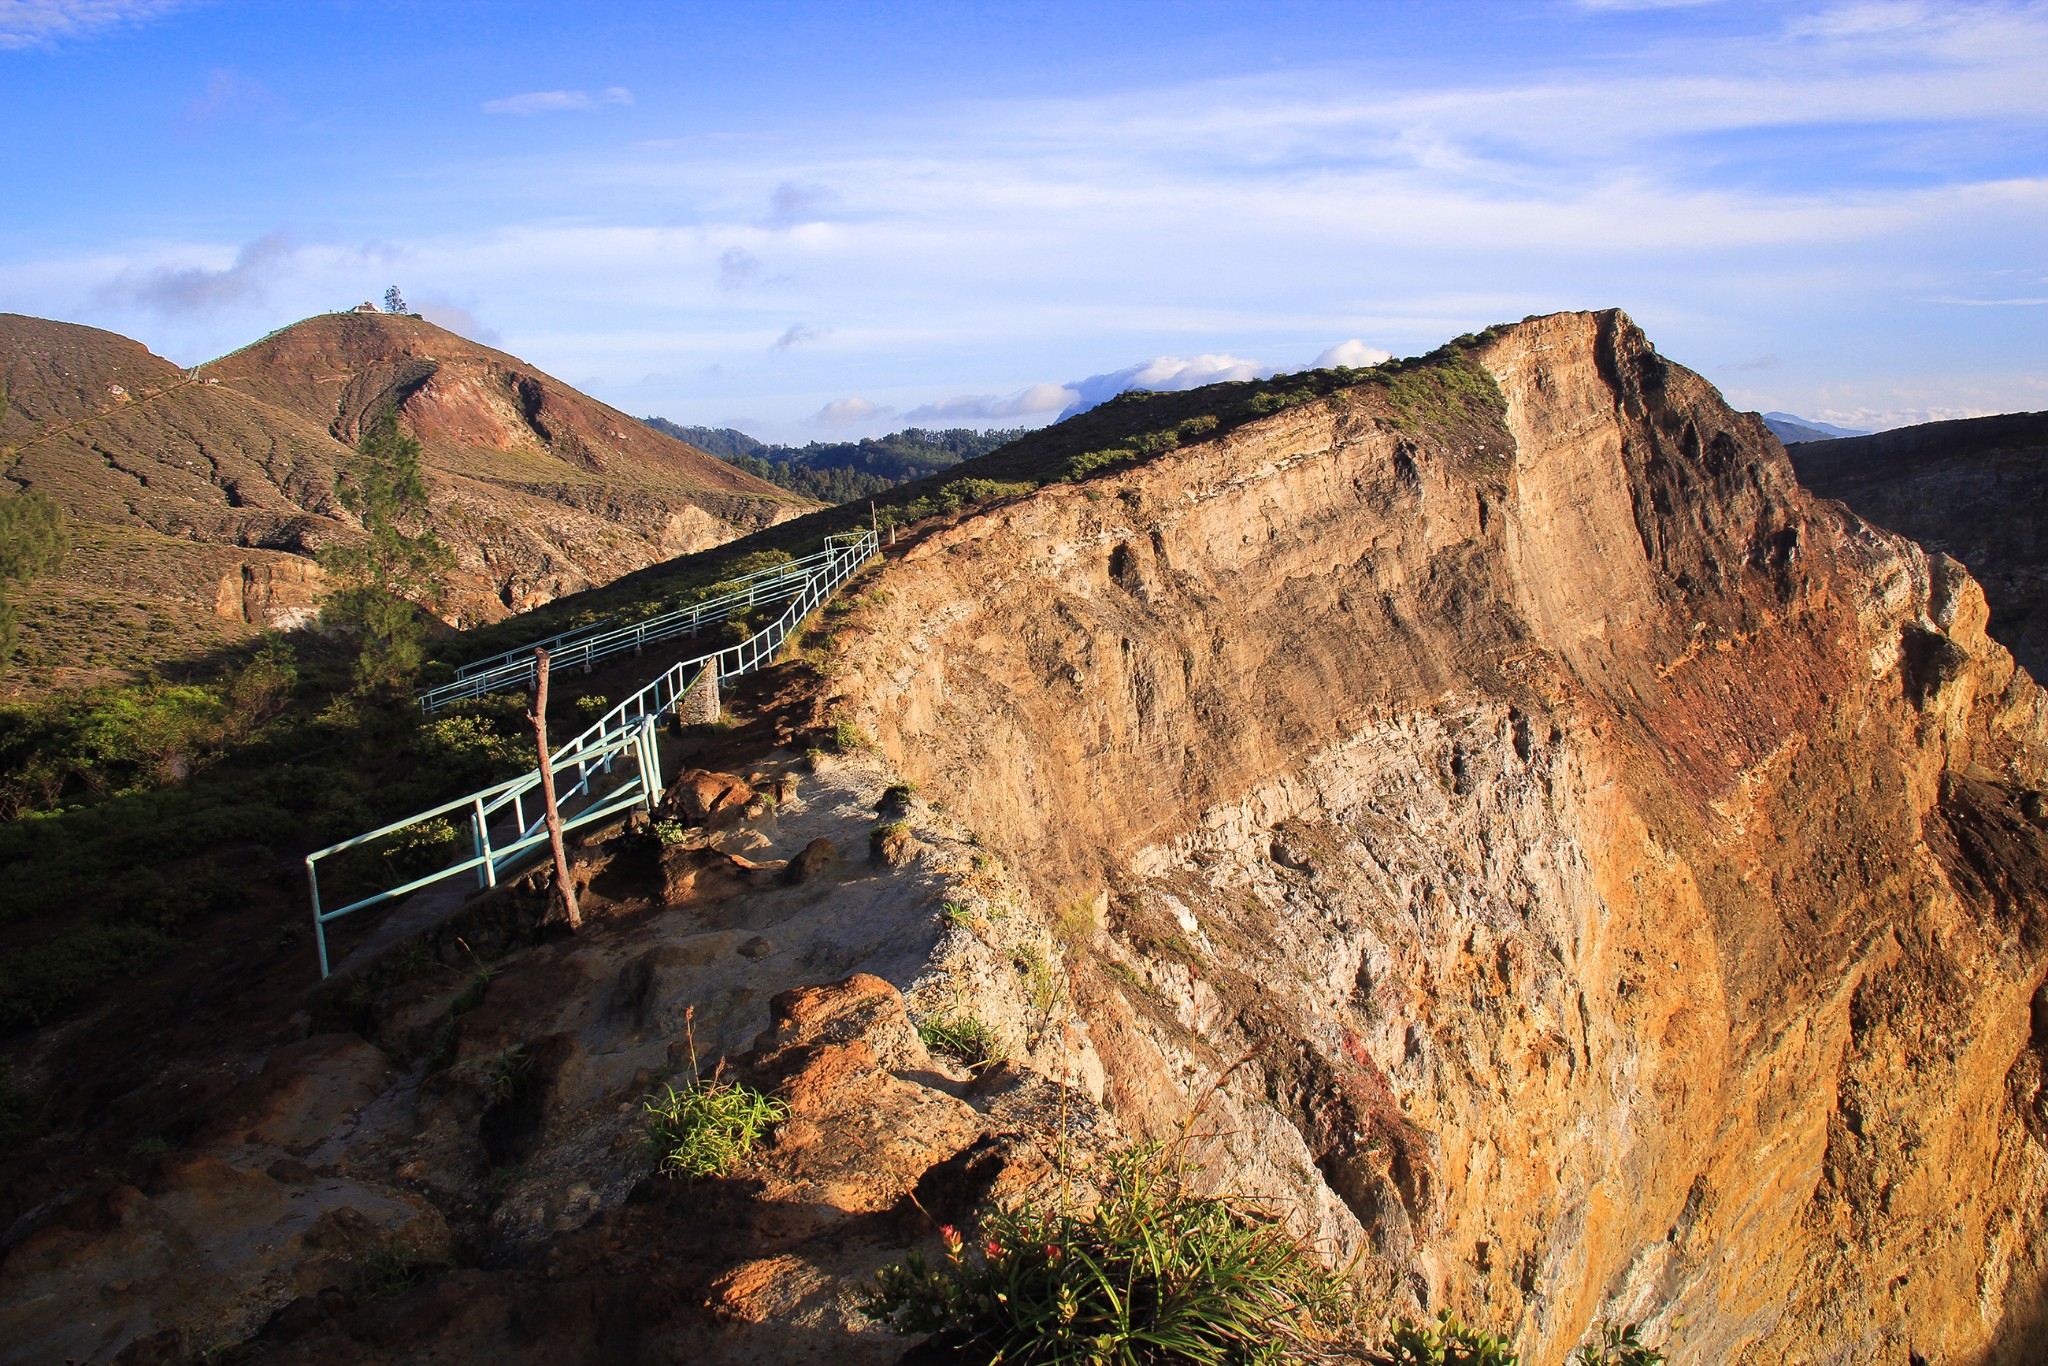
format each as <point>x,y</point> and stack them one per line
<point>394,302</point>
<point>387,579</point>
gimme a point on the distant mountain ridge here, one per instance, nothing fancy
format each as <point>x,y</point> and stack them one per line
<point>1976,489</point>
<point>1789,427</point>
<point>842,471</point>
<point>199,499</point>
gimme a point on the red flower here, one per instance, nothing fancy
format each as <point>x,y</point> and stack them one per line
<point>949,1235</point>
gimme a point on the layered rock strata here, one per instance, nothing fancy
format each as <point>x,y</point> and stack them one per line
<point>1624,870</point>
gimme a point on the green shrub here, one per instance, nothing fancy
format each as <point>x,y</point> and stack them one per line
<point>848,737</point>
<point>1079,467</point>
<point>1616,1345</point>
<point>37,979</point>
<point>1273,402</point>
<point>1154,1273</point>
<point>962,1037</point>
<point>1042,985</point>
<point>706,1128</point>
<point>1447,1342</point>
<point>469,751</point>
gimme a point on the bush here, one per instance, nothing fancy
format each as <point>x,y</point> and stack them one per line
<point>1153,1273</point>
<point>1616,1345</point>
<point>1447,1342</point>
<point>706,1128</point>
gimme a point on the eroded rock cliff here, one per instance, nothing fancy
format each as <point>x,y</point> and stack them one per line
<point>1625,869</point>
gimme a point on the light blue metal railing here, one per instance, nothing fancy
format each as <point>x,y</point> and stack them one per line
<point>585,645</point>
<point>626,731</point>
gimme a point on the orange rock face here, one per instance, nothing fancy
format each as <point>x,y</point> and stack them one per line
<point>1617,861</point>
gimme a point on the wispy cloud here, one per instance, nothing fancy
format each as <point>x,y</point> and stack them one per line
<point>34,23</point>
<point>556,101</point>
<point>458,318</point>
<point>230,96</point>
<point>795,335</point>
<point>196,289</point>
<point>737,268</point>
<point>792,203</point>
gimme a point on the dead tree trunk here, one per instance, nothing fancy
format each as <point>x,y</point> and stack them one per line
<point>565,888</point>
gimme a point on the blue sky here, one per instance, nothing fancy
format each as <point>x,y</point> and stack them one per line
<point>826,220</point>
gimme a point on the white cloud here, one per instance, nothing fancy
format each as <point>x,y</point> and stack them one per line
<point>972,246</point>
<point>845,412</point>
<point>1039,401</point>
<point>554,101</point>
<point>1353,353</point>
<point>1163,372</point>
<point>34,23</point>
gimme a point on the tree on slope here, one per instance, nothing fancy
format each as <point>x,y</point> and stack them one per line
<point>386,580</point>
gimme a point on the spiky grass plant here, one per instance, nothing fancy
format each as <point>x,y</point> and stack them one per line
<point>1152,1273</point>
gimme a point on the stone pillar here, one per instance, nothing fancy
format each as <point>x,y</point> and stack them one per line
<point>699,705</point>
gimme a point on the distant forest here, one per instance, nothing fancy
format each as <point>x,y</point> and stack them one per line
<point>842,471</point>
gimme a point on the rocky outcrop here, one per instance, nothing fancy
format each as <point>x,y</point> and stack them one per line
<point>1972,489</point>
<point>180,483</point>
<point>1614,859</point>
<point>313,1200</point>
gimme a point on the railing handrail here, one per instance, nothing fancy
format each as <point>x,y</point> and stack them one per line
<point>599,640</point>
<point>569,639</point>
<point>627,726</point>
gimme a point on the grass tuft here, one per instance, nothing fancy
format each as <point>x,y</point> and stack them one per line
<point>962,1037</point>
<point>706,1128</point>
